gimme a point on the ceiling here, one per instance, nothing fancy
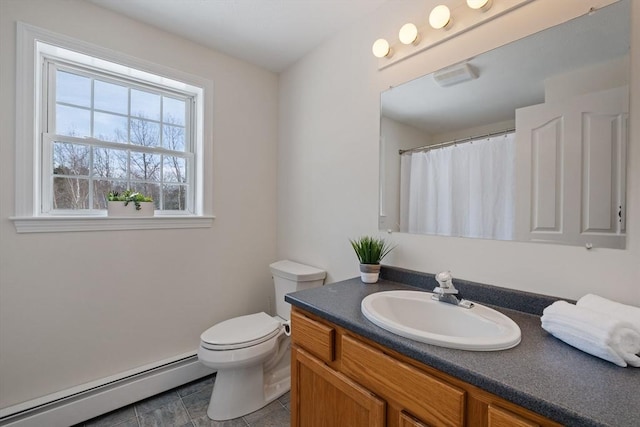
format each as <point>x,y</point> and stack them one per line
<point>273,34</point>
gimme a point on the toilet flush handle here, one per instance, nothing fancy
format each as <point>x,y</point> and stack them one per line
<point>287,328</point>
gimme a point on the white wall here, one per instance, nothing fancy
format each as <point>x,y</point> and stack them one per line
<point>463,134</point>
<point>328,162</point>
<point>76,307</point>
<point>394,136</point>
<point>594,78</point>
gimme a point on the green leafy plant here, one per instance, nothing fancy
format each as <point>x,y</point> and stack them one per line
<point>370,250</point>
<point>127,197</point>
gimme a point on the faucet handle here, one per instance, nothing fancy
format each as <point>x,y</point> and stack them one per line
<point>445,282</point>
<point>446,291</point>
<point>444,277</point>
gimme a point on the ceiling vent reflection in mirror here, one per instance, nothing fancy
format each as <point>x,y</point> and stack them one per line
<point>441,23</point>
<point>453,75</point>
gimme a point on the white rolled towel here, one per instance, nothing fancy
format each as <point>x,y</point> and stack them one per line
<point>603,305</point>
<point>598,334</point>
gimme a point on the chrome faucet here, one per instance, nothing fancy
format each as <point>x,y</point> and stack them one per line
<point>446,292</point>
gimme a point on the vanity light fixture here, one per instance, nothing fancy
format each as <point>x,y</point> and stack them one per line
<point>440,17</point>
<point>415,38</point>
<point>409,34</point>
<point>482,5</point>
<point>381,48</point>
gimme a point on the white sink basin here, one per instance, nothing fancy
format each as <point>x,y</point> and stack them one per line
<point>414,315</point>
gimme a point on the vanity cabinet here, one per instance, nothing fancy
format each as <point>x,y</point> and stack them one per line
<point>341,379</point>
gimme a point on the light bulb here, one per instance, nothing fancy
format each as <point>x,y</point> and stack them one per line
<point>408,34</point>
<point>381,48</point>
<point>482,5</point>
<point>440,17</point>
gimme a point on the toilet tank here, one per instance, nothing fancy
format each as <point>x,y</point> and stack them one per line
<point>289,276</point>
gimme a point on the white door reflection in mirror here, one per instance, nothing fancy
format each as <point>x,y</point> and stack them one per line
<point>571,157</point>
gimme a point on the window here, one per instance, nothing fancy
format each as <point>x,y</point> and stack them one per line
<point>106,134</point>
<point>104,122</point>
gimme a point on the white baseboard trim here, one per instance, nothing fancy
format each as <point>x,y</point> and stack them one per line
<point>82,403</point>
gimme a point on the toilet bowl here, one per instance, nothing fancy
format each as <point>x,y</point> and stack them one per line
<point>240,349</point>
<point>251,353</point>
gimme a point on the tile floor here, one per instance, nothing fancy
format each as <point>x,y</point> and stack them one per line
<point>186,406</point>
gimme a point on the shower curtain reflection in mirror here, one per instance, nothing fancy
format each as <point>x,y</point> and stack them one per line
<point>465,190</point>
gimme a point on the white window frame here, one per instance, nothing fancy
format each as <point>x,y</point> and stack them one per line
<point>33,46</point>
<point>51,66</point>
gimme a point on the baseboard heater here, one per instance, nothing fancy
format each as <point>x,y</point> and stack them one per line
<point>78,404</point>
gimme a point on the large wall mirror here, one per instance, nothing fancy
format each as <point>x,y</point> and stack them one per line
<point>526,142</point>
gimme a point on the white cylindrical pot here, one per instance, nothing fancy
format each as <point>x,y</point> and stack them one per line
<point>369,273</point>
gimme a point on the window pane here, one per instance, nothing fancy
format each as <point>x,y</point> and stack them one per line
<point>73,89</point>
<point>148,190</point>
<point>73,121</point>
<point>70,193</point>
<point>174,197</point>
<point>109,163</point>
<point>115,133</point>
<point>145,104</point>
<point>173,137</point>
<point>173,111</point>
<point>102,188</point>
<point>70,159</point>
<point>145,133</point>
<point>110,97</point>
<point>174,169</point>
<point>109,127</point>
<point>145,166</point>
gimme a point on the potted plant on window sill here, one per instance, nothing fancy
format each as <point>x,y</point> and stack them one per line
<point>129,204</point>
<point>370,251</point>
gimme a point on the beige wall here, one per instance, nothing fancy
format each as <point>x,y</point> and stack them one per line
<point>328,162</point>
<point>76,307</point>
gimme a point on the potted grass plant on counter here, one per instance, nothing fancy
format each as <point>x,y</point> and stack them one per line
<point>370,251</point>
<point>129,203</point>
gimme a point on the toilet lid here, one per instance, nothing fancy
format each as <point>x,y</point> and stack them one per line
<point>239,332</point>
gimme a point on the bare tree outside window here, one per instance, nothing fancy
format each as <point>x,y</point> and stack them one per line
<point>174,167</point>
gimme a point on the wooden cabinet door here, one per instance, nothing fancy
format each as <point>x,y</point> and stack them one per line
<point>407,420</point>
<point>499,417</point>
<point>322,397</point>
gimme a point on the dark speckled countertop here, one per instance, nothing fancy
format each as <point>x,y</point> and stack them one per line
<point>542,373</point>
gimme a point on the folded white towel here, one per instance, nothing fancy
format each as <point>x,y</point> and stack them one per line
<point>595,333</point>
<point>602,305</point>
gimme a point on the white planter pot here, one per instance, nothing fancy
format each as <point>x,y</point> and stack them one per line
<point>369,273</point>
<point>118,209</point>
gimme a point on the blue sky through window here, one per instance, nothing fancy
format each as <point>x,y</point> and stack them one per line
<point>111,104</point>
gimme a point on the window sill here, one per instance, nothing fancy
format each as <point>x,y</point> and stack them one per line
<point>60,224</point>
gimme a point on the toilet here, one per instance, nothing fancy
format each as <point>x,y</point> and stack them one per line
<point>252,353</point>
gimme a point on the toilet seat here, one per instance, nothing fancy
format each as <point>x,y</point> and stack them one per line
<point>241,332</point>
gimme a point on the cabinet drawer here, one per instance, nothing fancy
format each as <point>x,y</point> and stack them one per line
<point>428,398</point>
<point>315,337</point>
<point>499,417</point>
